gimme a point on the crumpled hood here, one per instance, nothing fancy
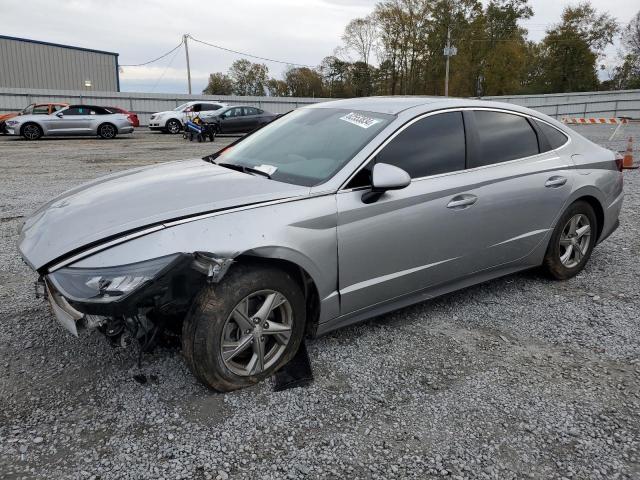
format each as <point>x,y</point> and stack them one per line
<point>132,199</point>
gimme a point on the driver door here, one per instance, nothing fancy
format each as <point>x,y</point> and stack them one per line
<point>412,238</point>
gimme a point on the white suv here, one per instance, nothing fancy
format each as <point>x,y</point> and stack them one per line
<point>173,121</point>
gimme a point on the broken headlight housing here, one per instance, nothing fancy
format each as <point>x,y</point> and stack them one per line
<point>104,285</point>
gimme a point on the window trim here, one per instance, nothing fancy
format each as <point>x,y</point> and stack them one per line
<point>421,116</point>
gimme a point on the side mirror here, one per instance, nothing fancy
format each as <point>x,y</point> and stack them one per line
<point>385,177</point>
<point>59,114</point>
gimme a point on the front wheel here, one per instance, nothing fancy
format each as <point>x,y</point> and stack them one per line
<point>572,241</point>
<point>31,131</point>
<point>173,126</point>
<point>243,329</point>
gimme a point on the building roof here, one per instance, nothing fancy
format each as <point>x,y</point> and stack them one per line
<point>39,42</point>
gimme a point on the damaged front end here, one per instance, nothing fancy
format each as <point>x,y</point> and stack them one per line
<point>134,301</point>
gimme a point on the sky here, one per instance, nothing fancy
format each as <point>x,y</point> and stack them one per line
<point>295,31</point>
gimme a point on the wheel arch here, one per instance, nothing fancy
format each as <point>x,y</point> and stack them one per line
<point>304,279</point>
<point>107,123</point>
<point>597,208</point>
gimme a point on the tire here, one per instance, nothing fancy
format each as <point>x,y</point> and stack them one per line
<point>107,131</point>
<point>572,241</point>
<point>173,126</point>
<point>31,131</point>
<point>215,323</point>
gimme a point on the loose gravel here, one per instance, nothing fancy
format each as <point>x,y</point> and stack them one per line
<point>520,377</point>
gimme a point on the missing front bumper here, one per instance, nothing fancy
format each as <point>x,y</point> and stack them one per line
<point>65,314</point>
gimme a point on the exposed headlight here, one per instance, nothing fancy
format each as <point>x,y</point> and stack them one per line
<point>102,285</point>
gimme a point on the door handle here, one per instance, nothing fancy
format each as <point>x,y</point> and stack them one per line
<point>555,182</point>
<point>462,201</point>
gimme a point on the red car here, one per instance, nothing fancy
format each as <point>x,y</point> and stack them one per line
<point>133,118</point>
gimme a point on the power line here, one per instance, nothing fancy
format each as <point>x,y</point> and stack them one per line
<point>248,54</point>
<point>164,71</point>
<point>156,59</point>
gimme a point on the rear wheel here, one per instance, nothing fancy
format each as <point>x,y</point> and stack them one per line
<point>243,329</point>
<point>173,126</point>
<point>107,131</point>
<point>572,241</point>
<point>32,131</point>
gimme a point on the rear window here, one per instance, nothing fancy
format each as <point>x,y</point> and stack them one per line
<point>554,136</point>
<point>503,137</point>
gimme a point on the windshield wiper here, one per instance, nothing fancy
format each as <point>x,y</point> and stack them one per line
<point>242,168</point>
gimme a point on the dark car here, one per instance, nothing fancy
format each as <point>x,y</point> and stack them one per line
<point>238,119</point>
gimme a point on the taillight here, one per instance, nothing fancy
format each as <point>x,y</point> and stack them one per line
<point>619,162</point>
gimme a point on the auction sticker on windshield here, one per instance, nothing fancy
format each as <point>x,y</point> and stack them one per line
<point>360,120</point>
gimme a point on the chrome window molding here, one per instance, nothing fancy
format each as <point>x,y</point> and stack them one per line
<point>448,110</point>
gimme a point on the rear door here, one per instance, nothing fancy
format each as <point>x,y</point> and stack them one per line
<point>520,191</point>
<point>251,118</point>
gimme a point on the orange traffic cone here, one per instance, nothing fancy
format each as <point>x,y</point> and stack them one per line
<point>627,162</point>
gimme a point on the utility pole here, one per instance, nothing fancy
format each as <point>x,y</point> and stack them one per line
<point>449,52</point>
<point>185,37</point>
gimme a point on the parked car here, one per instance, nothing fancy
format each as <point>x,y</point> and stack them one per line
<point>329,215</point>
<point>172,121</point>
<point>133,118</point>
<point>237,119</point>
<point>71,120</point>
<point>33,109</point>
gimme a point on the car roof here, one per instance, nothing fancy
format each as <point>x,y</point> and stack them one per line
<point>397,104</point>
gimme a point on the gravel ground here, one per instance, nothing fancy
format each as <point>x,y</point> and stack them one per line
<point>516,378</point>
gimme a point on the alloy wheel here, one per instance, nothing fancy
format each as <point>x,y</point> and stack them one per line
<point>575,240</point>
<point>31,132</point>
<point>173,126</point>
<point>107,131</point>
<point>256,333</point>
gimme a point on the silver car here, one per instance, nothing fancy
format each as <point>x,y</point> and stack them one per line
<point>72,120</point>
<point>331,214</point>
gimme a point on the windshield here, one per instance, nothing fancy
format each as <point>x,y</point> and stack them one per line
<point>308,146</point>
<point>181,107</point>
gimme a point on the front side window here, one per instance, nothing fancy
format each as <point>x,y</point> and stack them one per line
<point>41,110</point>
<point>307,146</point>
<point>430,146</point>
<point>76,111</point>
<point>502,137</point>
<point>209,106</point>
<point>28,110</point>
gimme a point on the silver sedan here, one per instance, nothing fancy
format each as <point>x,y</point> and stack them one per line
<point>70,121</point>
<point>329,215</point>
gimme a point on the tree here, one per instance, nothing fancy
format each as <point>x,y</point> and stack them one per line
<point>571,49</point>
<point>627,75</point>
<point>303,82</point>
<point>248,78</point>
<point>277,88</point>
<point>360,35</point>
<point>219,84</point>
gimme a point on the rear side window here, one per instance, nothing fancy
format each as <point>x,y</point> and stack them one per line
<point>503,137</point>
<point>554,136</point>
<point>430,146</point>
<point>209,106</point>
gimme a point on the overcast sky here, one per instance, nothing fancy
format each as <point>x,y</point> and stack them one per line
<point>298,31</point>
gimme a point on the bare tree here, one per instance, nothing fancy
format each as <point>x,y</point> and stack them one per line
<point>631,36</point>
<point>360,35</point>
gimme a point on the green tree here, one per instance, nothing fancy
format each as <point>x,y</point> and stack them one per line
<point>219,84</point>
<point>277,88</point>
<point>303,82</point>
<point>571,49</point>
<point>248,78</point>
